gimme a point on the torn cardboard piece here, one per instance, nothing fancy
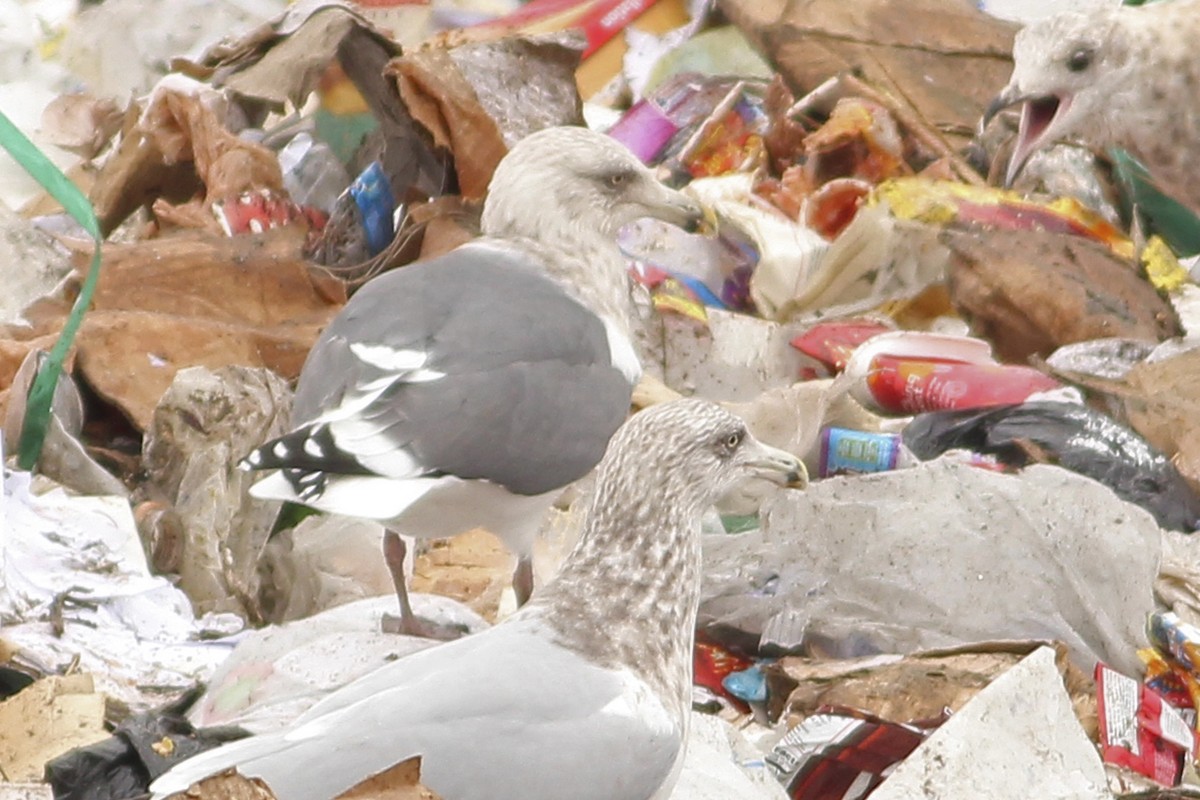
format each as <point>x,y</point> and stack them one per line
<point>916,687</point>
<point>1030,292</point>
<point>48,718</point>
<point>477,100</point>
<point>1017,738</point>
<point>942,61</point>
<point>166,304</point>
<point>399,782</point>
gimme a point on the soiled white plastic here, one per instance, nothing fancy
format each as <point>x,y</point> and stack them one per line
<point>1018,738</point>
<point>720,764</point>
<point>942,554</point>
<point>137,634</point>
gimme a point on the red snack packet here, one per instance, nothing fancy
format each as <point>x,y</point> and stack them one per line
<point>1139,729</point>
<point>711,663</point>
<point>901,385</point>
<point>832,343</point>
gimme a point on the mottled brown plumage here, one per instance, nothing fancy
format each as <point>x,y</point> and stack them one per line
<point>1126,77</point>
<point>584,692</point>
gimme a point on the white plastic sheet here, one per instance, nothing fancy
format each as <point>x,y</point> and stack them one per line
<point>939,555</point>
<point>134,631</point>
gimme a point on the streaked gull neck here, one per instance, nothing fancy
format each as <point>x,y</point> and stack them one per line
<point>627,595</point>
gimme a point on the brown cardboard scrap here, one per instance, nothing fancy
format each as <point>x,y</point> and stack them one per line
<point>478,99</point>
<point>943,59</point>
<point>1030,292</point>
<point>46,719</point>
<point>399,782</point>
<point>227,785</point>
<point>914,687</point>
<point>191,300</point>
<point>474,568</point>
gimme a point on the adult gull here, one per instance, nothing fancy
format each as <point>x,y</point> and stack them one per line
<point>588,686</point>
<point>465,391</point>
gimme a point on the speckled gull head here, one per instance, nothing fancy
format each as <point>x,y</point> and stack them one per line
<point>1071,72</point>
<point>691,451</point>
<point>558,180</point>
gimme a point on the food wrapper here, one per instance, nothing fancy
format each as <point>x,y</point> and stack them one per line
<point>1175,683</point>
<point>830,344</point>
<point>945,202</point>
<point>671,293</point>
<point>910,372</point>
<point>730,139</point>
<point>841,754</point>
<point>1140,730</point>
<point>255,212</point>
<point>899,385</point>
<point>660,125</point>
<point>712,664</point>
<point>1176,638</point>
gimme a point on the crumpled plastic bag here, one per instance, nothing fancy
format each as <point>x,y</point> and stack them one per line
<point>140,749</point>
<point>939,555</point>
<point>1072,436</point>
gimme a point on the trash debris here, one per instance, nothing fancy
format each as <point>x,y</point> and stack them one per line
<point>140,749</point>
<point>996,388</point>
<point>1017,738</point>
<point>927,536</point>
<point>77,590</point>
<point>1073,437</point>
<point>46,719</point>
<point>204,424</point>
<point>1140,730</point>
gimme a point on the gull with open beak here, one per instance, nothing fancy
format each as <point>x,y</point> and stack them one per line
<point>1127,77</point>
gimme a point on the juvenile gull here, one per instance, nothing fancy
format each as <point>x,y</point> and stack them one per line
<point>1122,76</point>
<point>588,686</point>
<point>466,390</point>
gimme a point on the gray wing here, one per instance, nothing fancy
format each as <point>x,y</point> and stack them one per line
<point>503,714</point>
<point>471,364</point>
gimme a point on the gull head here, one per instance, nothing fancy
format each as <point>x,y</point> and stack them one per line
<point>1068,71</point>
<point>574,181</point>
<point>692,452</point>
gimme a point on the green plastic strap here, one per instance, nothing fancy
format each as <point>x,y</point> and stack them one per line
<point>1174,222</point>
<point>37,409</point>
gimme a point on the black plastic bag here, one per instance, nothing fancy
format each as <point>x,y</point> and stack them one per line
<point>140,749</point>
<point>1073,437</point>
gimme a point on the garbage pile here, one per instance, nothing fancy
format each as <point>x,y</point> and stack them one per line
<point>990,587</point>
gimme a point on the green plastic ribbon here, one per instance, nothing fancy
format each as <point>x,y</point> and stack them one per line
<point>1163,214</point>
<point>41,395</point>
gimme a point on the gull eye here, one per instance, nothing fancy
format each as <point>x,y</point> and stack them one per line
<point>618,179</point>
<point>733,440</point>
<point>1080,59</point>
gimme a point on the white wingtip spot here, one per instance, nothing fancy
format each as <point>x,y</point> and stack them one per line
<point>389,358</point>
<point>280,450</point>
<point>313,448</point>
<point>620,349</point>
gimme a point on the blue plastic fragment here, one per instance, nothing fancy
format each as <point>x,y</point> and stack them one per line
<point>749,684</point>
<point>373,195</point>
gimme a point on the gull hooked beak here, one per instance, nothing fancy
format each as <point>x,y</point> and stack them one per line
<point>676,208</point>
<point>776,465</point>
<point>1038,115</point>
